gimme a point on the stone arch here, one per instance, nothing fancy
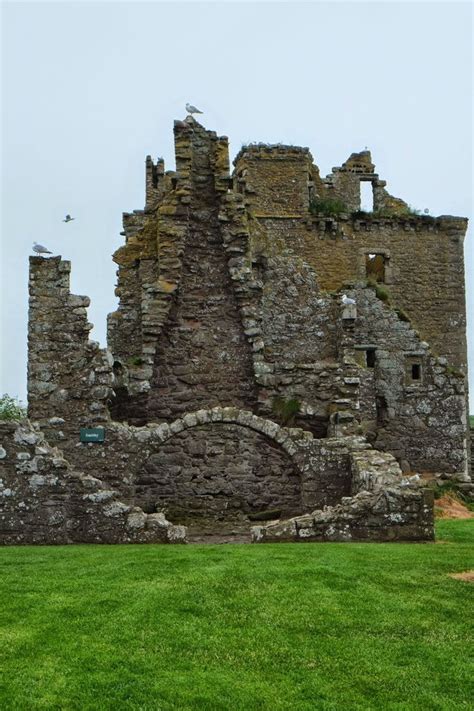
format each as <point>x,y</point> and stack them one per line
<point>282,436</point>
<point>213,470</point>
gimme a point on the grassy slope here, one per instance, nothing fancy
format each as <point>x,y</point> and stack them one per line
<point>238,628</point>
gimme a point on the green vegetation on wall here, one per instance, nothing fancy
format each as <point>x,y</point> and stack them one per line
<point>285,410</point>
<point>11,408</point>
<point>329,207</point>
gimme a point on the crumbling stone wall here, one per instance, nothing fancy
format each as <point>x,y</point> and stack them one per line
<point>197,354</point>
<point>69,376</point>
<point>274,179</point>
<point>424,255</point>
<point>344,184</point>
<point>44,500</point>
<point>219,473</point>
<point>202,358</point>
<point>384,507</point>
<point>420,421</point>
<point>230,303</point>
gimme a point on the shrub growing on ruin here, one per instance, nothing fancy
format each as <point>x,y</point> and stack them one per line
<point>135,361</point>
<point>286,410</point>
<point>11,408</point>
<point>329,207</point>
<point>380,291</point>
<point>402,315</point>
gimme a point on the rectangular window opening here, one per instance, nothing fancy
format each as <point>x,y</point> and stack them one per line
<point>416,371</point>
<point>366,196</point>
<point>375,267</point>
<point>370,357</point>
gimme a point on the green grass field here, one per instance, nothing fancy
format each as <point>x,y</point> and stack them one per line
<point>239,627</point>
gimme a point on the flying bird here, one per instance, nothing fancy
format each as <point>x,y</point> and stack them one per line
<point>346,300</point>
<point>68,218</point>
<point>40,249</point>
<point>192,109</point>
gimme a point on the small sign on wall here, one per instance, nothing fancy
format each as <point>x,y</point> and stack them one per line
<point>92,434</point>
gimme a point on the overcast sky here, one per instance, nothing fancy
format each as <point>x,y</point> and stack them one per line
<point>88,89</point>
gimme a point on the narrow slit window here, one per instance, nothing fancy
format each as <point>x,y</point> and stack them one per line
<point>375,267</point>
<point>370,357</point>
<point>416,371</point>
<point>239,180</point>
<point>413,370</point>
<point>366,196</point>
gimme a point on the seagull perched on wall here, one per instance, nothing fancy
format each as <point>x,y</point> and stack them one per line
<point>346,300</point>
<point>192,109</point>
<point>40,249</point>
<point>68,218</point>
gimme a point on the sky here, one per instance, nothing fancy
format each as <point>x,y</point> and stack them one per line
<point>90,88</point>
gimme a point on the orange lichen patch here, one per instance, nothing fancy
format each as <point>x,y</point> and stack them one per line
<point>141,246</point>
<point>166,286</point>
<point>167,209</point>
<point>449,506</point>
<point>467,576</point>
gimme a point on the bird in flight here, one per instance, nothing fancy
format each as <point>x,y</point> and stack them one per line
<point>346,300</point>
<point>40,249</point>
<point>68,218</point>
<point>192,109</point>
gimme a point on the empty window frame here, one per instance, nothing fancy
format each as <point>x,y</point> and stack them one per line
<point>366,196</point>
<point>375,267</point>
<point>370,357</point>
<point>413,370</point>
<point>416,371</point>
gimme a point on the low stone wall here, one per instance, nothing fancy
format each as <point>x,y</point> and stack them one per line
<point>222,464</point>
<point>385,507</point>
<point>44,500</point>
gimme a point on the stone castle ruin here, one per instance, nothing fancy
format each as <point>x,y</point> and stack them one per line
<point>240,394</point>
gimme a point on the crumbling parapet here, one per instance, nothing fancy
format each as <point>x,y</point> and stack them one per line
<point>344,184</point>
<point>154,173</point>
<point>274,180</point>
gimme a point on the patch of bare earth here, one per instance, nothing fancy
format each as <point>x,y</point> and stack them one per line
<point>448,506</point>
<point>467,576</point>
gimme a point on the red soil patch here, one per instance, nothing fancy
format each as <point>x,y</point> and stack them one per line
<point>467,576</point>
<point>450,507</point>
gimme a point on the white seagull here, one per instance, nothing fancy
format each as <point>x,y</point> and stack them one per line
<point>40,249</point>
<point>192,109</point>
<point>68,218</point>
<point>346,300</point>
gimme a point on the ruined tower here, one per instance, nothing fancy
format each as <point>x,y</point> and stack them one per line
<point>236,385</point>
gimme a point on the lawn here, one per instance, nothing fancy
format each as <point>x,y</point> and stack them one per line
<point>239,627</point>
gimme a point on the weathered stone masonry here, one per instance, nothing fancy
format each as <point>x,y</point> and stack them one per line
<point>229,312</point>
